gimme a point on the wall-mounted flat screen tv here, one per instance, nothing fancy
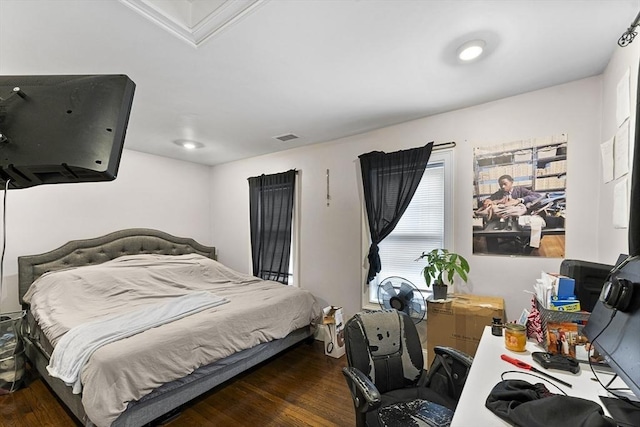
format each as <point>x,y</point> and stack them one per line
<point>62,129</point>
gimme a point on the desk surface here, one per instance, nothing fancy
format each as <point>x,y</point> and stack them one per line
<point>485,374</point>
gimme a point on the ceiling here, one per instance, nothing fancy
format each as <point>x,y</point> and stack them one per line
<point>320,69</point>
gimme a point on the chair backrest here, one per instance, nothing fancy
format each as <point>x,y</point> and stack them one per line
<point>385,346</point>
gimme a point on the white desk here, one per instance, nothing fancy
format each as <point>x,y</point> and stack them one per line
<point>485,374</point>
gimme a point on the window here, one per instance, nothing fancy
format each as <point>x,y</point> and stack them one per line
<point>425,225</point>
<point>271,205</point>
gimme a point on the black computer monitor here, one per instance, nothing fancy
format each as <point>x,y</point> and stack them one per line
<point>589,277</point>
<point>615,333</point>
<point>62,129</point>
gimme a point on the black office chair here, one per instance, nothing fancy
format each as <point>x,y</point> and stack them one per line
<point>386,377</point>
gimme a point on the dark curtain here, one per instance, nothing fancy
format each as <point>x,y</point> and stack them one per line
<point>390,180</point>
<point>271,214</point>
<point>634,205</point>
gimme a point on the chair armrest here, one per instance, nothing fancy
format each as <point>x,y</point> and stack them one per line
<point>448,372</point>
<point>463,358</point>
<point>366,396</point>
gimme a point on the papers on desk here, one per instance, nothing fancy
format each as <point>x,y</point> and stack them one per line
<point>543,289</point>
<point>556,292</point>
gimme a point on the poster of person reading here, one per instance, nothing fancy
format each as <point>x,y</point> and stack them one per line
<point>519,197</point>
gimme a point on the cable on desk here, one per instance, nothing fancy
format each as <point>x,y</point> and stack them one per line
<point>533,375</point>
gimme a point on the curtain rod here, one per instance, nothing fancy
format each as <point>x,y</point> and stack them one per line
<point>444,145</point>
<point>277,173</point>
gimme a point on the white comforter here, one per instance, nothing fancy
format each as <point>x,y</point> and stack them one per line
<point>76,346</point>
<point>126,370</point>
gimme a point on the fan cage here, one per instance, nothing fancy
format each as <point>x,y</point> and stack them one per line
<point>398,293</point>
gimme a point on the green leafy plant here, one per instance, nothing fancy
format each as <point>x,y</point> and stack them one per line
<point>441,262</point>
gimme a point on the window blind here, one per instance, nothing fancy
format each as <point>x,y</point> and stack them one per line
<point>421,228</point>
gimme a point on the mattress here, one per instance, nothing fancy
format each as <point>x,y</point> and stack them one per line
<point>124,371</point>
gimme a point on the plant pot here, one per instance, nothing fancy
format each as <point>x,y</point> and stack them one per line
<point>440,291</point>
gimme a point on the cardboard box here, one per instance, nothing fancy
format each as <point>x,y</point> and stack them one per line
<point>459,321</point>
<point>564,305</point>
<point>566,286</point>
<point>563,286</point>
<point>334,331</point>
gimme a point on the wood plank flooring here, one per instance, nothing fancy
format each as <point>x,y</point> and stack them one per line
<point>551,246</point>
<point>300,387</point>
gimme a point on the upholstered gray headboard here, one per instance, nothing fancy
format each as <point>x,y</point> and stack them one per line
<point>77,253</point>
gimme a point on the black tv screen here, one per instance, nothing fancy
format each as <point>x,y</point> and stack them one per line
<point>62,129</point>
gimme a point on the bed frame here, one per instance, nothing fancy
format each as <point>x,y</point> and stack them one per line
<point>170,396</point>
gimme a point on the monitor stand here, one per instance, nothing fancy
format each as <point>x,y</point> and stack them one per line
<point>624,413</point>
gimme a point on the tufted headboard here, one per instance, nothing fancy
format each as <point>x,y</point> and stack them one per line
<point>77,253</point>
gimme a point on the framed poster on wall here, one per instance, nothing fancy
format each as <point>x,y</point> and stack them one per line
<point>519,197</point>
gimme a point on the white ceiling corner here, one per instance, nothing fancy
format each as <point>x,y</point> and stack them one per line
<point>193,21</point>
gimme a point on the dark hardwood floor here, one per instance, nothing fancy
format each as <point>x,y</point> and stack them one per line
<point>301,387</point>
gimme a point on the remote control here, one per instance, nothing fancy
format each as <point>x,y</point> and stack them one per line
<point>556,361</point>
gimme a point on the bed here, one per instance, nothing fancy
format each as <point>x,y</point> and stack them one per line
<point>115,389</point>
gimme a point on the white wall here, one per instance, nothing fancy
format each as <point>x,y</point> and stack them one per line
<point>150,192</point>
<point>572,108</point>
<point>612,241</point>
<point>211,204</point>
<point>330,250</point>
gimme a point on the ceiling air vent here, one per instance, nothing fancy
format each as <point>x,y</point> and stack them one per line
<point>287,137</point>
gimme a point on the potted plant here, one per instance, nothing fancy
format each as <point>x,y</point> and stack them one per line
<point>442,263</point>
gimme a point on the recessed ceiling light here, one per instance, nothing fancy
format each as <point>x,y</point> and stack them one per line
<point>471,50</point>
<point>188,144</point>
